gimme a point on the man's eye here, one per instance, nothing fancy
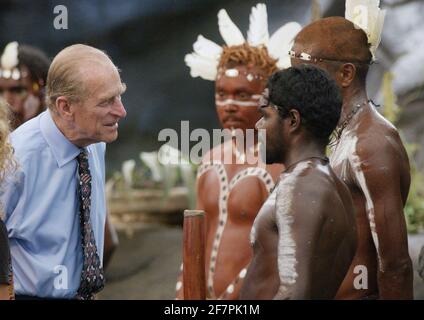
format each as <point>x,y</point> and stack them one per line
<point>111,100</point>
<point>17,90</point>
<point>107,102</point>
<point>220,94</point>
<point>244,95</point>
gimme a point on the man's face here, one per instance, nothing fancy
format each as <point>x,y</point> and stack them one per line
<point>22,97</point>
<point>96,117</point>
<point>273,125</point>
<point>237,98</point>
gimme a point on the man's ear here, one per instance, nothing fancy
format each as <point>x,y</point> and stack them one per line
<point>346,74</point>
<point>64,107</point>
<point>294,120</point>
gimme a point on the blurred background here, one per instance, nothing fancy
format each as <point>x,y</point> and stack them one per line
<point>148,39</point>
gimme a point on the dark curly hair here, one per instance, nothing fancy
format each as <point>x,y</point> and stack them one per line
<point>245,54</point>
<point>313,93</point>
<point>36,61</point>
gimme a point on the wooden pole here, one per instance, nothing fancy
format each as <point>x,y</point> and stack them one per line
<point>194,277</point>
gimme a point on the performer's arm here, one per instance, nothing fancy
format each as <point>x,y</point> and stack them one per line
<point>299,220</point>
<point>378,175</point>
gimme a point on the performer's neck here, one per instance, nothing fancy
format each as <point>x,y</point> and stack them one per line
<point>246,141</point>
<point>302,151</point>
<point>352,96</point>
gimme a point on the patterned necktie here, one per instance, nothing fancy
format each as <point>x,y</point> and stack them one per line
<point>92,278</point>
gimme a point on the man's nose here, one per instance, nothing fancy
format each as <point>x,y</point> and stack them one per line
<point>119,110</point>
<point>230,106</point>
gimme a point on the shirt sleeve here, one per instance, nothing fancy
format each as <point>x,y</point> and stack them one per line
<point>5,261</point>
<point>11,202</point>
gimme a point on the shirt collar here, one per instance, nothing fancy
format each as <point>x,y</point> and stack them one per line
<point>63,150</point>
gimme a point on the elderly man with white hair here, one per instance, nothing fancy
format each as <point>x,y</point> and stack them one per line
<point>55,202</point>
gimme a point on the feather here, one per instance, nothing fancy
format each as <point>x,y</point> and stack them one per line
<point>9,59</point>
<point>207,48</point>
<point>201,66</point>
<point>366,14</point>
<point>281,42</point>
<point>228,30</point>
<point>375,36</point>
<point>203,62</point>
<point>258,27</point>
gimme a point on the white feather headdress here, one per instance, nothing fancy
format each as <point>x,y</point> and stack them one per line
<point>203,62</point>
<point>9,58</point>
<point>367,15</point>
<point>9,62</point>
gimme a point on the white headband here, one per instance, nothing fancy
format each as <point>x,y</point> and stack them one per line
<point>203,62</point>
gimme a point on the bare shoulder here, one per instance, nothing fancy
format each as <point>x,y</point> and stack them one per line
<point>308,187</point>
<point>215,154</point>
<point>378,141</point>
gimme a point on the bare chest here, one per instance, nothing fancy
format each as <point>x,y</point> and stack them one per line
<point>239,197</point>
<point>343,158</point>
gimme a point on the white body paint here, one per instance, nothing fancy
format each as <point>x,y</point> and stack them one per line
<point>286,245</point>
<point>225,190</point>
<point>345,155</point>
<point>281,199</point>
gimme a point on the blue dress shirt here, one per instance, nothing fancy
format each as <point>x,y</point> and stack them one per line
<point>41,209</point>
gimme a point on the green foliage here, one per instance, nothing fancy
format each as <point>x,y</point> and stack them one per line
<point>414,209</point>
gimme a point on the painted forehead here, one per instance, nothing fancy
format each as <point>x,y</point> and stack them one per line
<point>251,100</point>
<point>250,74</point>
<point>13,74</point>
<point>308,47</point>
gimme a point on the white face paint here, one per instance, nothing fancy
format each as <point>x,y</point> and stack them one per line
<point>253,102</point>
<point>236,103</point>
<point>234,73</point>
